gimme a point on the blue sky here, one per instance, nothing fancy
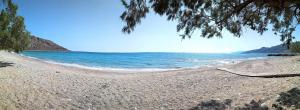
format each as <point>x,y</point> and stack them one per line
<point>95,26</point>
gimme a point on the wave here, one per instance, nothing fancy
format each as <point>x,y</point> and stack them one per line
<point>107,68</point>
<point>171,64</point>
<point>220,62</point>
<point>99,68</point>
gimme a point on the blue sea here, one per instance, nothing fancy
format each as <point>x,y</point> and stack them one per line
<point>140,61</point>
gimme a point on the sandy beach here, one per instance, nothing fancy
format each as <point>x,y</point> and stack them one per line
<point>33,84</point>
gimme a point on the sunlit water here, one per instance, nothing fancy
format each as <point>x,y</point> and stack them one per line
<point>141,61</point>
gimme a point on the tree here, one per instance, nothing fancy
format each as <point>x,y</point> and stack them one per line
<point>13,34</point>
<point>211,17</point>
<point>19,36</point>
<point>5,42</point>
<point>295,47</point>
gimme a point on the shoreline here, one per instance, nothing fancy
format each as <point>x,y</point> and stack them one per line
<point>78,66</point>
<point>33,84</point>
<point>226,62</point>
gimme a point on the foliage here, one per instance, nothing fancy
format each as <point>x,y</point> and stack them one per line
<point>295,47</point>
<point>13,34</point>
<point>211,17</point>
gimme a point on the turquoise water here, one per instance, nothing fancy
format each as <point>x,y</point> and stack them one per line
<point>141,60</point>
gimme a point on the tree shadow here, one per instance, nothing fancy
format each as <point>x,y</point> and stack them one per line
<point>289,100</point>
<point>5,64</point>
<point>253,105</point>
<point>213,105</point>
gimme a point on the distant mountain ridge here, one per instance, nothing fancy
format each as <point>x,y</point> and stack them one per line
<point>40,44</point>
<point>275,49</point>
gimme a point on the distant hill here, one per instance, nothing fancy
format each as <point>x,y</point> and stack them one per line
<point>39,44</point>
<point>274,49</point>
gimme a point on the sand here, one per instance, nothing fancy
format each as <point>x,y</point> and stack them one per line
<point>33,84</point>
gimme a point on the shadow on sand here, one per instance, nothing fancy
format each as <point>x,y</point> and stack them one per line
<point>5,64</point>
<point>289,100</point>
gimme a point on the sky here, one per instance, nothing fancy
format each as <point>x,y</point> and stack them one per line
<point>95,26</point>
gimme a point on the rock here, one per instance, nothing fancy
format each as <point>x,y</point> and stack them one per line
<point>275,49</point>
<point>281,54</point>
<point>39,44</point>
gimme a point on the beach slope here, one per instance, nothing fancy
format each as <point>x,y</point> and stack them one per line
<point>33,84</point>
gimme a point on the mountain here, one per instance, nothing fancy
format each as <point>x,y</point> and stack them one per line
<point>274,49</point>
<point>39,44</point>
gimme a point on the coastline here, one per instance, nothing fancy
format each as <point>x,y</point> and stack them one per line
<point>100,68</point>
<point>214,63</point>
<point>33,84</point>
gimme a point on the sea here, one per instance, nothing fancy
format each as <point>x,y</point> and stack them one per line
<point>142,60</point>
